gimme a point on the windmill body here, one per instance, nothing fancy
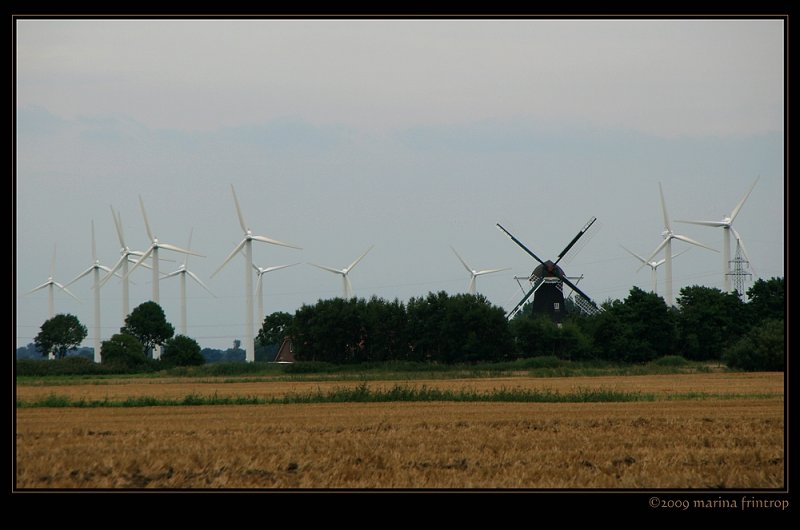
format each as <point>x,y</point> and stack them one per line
<point>727,227</point>
<point>246,245</point>
<point>547,282</point>
<point>347,287</point>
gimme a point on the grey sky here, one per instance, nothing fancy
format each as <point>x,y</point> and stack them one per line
<point>408,134</point>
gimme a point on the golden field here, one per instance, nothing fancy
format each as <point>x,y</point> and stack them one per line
<point>705,443</point>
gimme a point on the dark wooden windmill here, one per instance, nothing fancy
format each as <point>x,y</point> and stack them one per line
<point>547,282</point>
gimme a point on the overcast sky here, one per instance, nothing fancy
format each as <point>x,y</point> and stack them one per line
<point>411,135</point>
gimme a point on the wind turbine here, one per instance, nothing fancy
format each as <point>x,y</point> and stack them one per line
<point>727,227</point>
<point>95,268</point>
<point>668,236</point>
<point>260,284</point>
<point>652,264</point>
<point>247,244</point>
<point>347,286</point>
<point>50,283</point>
<point>182,271</point>
<point>126,257</point>
<point>474,274</point>
<point>155,245</point>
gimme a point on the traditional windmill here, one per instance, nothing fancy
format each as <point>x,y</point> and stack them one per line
<point>547,282</point>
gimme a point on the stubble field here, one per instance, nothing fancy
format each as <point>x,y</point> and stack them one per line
<point>702,431</point>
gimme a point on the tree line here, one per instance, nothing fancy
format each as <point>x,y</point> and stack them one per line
<point>705,325</point>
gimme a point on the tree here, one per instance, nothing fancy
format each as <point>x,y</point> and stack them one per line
<point>762,349</point>
<point>123,350</point>
<point>709,321</point>
<point>181,350</point>
<point>767,300</point>
<point>275,328</point>
<point>460,328</point>
<point>148,323</point>
<point>59,335</point>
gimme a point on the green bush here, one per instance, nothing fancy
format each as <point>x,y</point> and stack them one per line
<point>762,349</point>
<point>181,350</point>
<point>670,360</point>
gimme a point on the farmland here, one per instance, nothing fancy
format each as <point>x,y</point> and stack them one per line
<point>715,430</point>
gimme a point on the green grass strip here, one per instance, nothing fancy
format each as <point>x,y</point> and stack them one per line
<point>358,394</point>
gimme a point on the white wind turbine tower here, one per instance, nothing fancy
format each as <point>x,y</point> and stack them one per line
<point>126,257</point>
<point>668,236</point>
<point>727,227</point>
<point>654,265</point>
<point>95,268</point>
<point>50,283</point>
<point>247,244</point>
<point>153,249</point>
<point>347,286</point>
<point>183,271</point>
<point>472,289</point>
<point>260,284</point>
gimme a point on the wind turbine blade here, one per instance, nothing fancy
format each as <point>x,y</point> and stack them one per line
<point>94,248</point>
<point>349,288</point>
<point>330,269</point>
<point>348,269</point>
<point>278,267</point>
<point>45,284</point>
<point>518,242</point>
<point>274,242</point>
<point>189,246</point>
<point>66,291</point>
<point>204,286</point>
<point>684,251</point>
<point>744,250</point>
<point>178,249</point>
<point>472,288</point>
<point>464,263</point>
<point>258,281</point>
<point>112,271</point>
<point>575,288</point>
<point>230,256</point>
<point>635,255</point>
<point>79,276</point>
<point>715,224</point>
<point>693,242</point>
<point>657,250</point>
<point>139,262</point>
<point>664,208</point>
<point>576,238</point>
<point>170,275</point>
<point>239,211</point>
<point>735,211</point>
<point>117,223</point>
<point>146,223</point>
<point>490,271</point>
<point>53,263</point>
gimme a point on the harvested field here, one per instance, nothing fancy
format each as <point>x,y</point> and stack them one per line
<point>682,443</point>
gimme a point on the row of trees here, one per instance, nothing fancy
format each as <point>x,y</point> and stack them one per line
<point>706,324</point>
<point>145,328</point>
